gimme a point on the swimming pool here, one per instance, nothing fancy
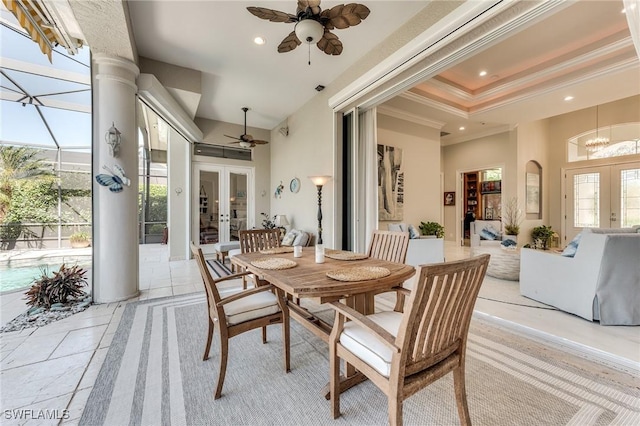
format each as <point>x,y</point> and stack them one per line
<point>14,278</point>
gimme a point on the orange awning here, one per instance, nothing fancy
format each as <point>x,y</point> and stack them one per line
<point>30,17</point>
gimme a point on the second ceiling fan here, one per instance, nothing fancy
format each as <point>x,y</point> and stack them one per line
<point>313,24</point>
<point>245,140</point>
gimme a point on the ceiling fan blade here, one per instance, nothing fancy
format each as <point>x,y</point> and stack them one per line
<point>271,15</point>
<point>313,4</point>
<point>330,44</point>
<point>234,137</point>
<point>289,43</point>
<point>259,142</point>
<point>345,15</point>
<point>231,143</point>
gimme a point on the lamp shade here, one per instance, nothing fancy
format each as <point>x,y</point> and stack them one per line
<point>309,31</point>
<point>281,220</point>
<point>320,180</point>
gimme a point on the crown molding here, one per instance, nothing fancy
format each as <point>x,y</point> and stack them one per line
<point>413,118</point>
<point>411,96</point>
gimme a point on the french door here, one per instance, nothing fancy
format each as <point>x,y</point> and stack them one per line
<point>602,197</point>
<point>224,198</point>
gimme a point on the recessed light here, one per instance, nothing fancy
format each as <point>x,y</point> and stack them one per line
<point>259,40</point>
<point>483,73</point>
<point>568,98</point>
<point>461,128</point>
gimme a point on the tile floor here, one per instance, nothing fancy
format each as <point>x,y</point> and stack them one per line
<point>54,367</point>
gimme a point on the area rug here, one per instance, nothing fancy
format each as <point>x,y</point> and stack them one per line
<point>219,268</point>
<point>153,374</point>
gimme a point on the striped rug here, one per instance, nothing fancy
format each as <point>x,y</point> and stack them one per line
<point>153,374</point>
<point>219,268</point>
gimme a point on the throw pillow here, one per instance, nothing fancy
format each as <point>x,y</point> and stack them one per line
<point>413,232</point>
<point>398,227</point>
<point>302,239</point>
<point>489,233</point>
<point>289,238</point>
<point>572,247</point>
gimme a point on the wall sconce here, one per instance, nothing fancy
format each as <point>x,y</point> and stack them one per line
<point>113,138</point>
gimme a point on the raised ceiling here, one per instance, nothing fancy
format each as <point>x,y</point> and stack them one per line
<point>583,50</point>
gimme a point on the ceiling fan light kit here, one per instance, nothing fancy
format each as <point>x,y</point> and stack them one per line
<point>309,31</point>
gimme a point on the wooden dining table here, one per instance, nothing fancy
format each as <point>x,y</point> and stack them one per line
<point>309,279</point>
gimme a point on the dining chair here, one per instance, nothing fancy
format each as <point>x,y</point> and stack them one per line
<point>401,353</point>
<point>252,240</point>
<point>241,311</point>
<point>391,246</point>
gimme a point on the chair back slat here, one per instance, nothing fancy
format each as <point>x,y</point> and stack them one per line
<point>389,245</point>
<point>258,239</point>
<point>436,321</point>
<point>213,296</point>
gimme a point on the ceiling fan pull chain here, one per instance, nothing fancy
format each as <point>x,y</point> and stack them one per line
<point>309,44</point>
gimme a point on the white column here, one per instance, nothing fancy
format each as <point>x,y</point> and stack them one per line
<point>115,214</point>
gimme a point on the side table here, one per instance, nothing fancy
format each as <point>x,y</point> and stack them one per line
<point>504,263</point>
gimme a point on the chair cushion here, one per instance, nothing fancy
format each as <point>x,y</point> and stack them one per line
<point>234,252</point>
<point>230,245</point>
<point>302,239</point>
<point>367,345</point>
<point>290,237</point>
<point>251,307</point>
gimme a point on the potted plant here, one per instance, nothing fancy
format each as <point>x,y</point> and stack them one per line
<point>80,239</point>
<point>512,218</point>
<point>432,229</point>
<point>541,236</point>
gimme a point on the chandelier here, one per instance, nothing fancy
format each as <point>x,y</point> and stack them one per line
<point>597,143</point>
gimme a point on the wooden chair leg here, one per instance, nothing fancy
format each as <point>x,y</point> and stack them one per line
<point>399,302</point>
<point>395,410</point>
<point>224,353</point>
<point>264,335</point>
<point>461,396</point>
<point>334,381</point>
<point>212,329</point>
<point>287,344</point>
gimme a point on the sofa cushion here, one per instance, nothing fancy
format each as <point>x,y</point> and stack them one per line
<point>572,247</point>
<point>302,239</point>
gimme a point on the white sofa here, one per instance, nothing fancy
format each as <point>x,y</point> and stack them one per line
<point>425,250</point>
<point>476,228</point>
<point>601,282</point>
<point>421,250</point>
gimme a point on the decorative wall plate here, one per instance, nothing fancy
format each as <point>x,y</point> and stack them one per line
<point>294,185</point>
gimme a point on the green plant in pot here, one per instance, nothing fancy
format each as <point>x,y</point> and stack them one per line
<point>432,228</point>
<point>80,239</point>
<point>541,236</point>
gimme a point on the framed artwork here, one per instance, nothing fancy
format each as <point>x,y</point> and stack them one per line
<point>449,198</point>
<point>533,193</point>
<point>390,183</point>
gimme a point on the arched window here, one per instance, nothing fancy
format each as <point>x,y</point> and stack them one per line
<point>623,139</point>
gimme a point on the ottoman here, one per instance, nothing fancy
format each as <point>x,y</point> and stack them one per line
<point>222,249</point>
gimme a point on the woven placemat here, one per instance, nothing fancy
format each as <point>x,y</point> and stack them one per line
<point>344,255</point>
<point>277,250</point>
<point>274,263</point>
<point>359,273</point>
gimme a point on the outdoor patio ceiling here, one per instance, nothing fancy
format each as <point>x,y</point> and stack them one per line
<point>43,104</point>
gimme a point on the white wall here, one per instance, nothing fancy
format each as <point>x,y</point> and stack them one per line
<point>421,164</point>
<point>488,152</point>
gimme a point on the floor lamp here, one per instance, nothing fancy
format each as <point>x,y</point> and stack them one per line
<point>319,182</point>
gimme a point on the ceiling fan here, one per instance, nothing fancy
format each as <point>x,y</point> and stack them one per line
<point>313,24</point>
<point>245,140</point>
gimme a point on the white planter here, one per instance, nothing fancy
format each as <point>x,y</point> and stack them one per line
<point>513,238</point>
